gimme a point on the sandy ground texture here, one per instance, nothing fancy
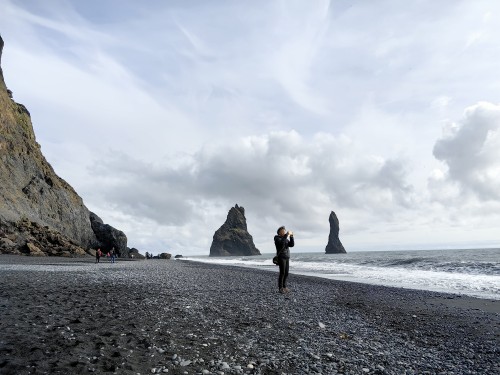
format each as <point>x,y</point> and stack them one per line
<point>71,316</point>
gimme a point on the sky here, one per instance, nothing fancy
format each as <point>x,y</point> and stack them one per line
<point>165,114</point>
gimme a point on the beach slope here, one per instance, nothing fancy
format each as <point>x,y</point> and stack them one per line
<point>64,316</point>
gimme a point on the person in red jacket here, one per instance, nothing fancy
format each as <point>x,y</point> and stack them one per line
<point>283,241</point>
<point>98,255</point>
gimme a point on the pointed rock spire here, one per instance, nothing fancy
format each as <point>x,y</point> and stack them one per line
<point>232,238</point>
<point>334,245</point>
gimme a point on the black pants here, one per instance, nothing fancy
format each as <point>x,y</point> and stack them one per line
<point>283,263</point>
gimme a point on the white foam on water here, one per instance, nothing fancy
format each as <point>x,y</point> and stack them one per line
<point>483,286</point>
<point>232,261</point>
<point>414,270</point>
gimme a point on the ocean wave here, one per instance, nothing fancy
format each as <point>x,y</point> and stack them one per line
<point>473,272</point>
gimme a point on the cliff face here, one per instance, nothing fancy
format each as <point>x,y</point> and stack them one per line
<point>1,49</point>
<point>232,238</point>
<point>334,245</point>
<point>35,203</point>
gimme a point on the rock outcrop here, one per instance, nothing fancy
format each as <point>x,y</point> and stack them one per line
<point>109,237</point>
<point>36,205</point>
<point>232,238</point>
<point>26,237</point>
<point>334,245</point>
<point>1,49</point>
<point>134,253</point>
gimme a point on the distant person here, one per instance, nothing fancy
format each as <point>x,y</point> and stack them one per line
<point>98,255</point>
<point>283,243</point>
<point>113,255</point>
<point>108,255</point>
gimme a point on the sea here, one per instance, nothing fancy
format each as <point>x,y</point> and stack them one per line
<point>472,272</point>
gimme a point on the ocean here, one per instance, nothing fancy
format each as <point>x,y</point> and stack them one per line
<point>472,272</point>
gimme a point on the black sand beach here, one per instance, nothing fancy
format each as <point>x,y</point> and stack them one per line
<point>70,316</point>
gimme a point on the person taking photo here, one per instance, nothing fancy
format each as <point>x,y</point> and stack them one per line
<point>283,241</point>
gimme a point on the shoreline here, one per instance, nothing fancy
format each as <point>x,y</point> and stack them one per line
<point>447,298</point>
<point>187,316</point>
<point>359,280</point>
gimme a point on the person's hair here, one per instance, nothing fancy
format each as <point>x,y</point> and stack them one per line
<point>280,228</point>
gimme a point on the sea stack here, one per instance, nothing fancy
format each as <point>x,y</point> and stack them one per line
<point>232,238</point>
<point>334,245</point>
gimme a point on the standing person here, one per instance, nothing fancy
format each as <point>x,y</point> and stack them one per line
<point>108,255</point>
<point>283,244</point>
<point>98,255</point>
<point>113,255</point>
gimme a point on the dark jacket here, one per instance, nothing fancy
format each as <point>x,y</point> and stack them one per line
<point>282,246</point>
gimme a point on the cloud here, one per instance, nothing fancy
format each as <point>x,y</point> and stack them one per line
<point>294,59</point>
<point>278,177</point>
<point>164,116</point>
<point>471,151</point>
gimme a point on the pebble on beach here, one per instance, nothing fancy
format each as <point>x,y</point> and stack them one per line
<point>140,323</point>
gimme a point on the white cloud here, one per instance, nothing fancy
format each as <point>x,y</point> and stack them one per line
<point>278,177</point>
<point>471,151</point>
<point>441,102</point>
<point>294,59</point>
<point>163,116</point>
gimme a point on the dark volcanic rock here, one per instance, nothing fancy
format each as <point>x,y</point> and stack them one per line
<point>30,238</point>
<point>36,205</point>
<point>164,256</point>
<point>134,253</point>
<point>334,245</point>
<point>109,237</point>
<point>1,49</point>
<point>232,238</point>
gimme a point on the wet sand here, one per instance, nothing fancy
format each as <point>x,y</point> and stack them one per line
<point>71,316</point>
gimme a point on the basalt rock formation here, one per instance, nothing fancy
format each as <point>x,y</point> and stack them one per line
<point>334,245</point>
<point>26,237</point>
<point>109,237</point>
<point>134,253</point>
<point>232,238</point>
<point>40,213</point>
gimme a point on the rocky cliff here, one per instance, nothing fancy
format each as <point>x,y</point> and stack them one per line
<point>334,245</point>
<point>38,209</point>
<point>232,238</point>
